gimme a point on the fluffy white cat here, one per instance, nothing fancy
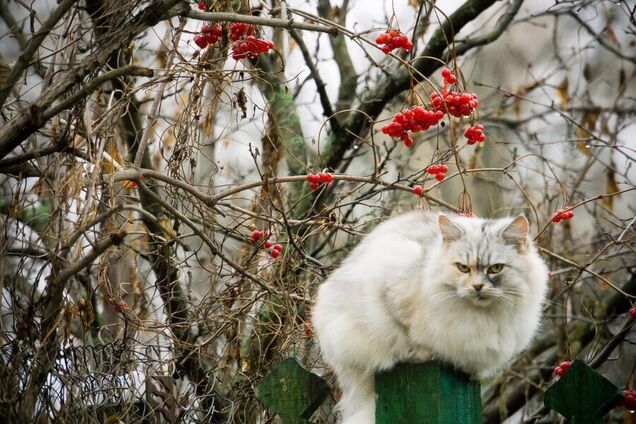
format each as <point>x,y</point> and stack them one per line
<point>424,285</point>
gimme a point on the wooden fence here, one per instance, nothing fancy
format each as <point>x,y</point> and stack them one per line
<point>433,393</point>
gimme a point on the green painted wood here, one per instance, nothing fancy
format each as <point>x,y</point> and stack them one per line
<point>429,392</point>
<point>292,392</point>
<point>582,395</point>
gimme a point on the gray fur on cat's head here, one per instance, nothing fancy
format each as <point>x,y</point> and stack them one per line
<point>484,262</point>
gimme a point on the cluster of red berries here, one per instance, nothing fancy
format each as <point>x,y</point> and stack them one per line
<point>118,307</point>
<point>239,30</point>
<point>562,215</point>
<point>415,119</point>
<point>316,179</point>
<point>438,171</point>
<point>276,249</point>
<point>475,134</point>
<point>245,44</point>
<point>209,36</point>
<point>562,368</point>
<point>392,40</point>
<point>629,400</point>
<point>455,103</point>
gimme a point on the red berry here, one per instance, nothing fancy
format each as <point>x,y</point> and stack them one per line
<point>201,5</point>
<point>256,234</point>
<point>443,169</point>
<point>383,38</point>
<point>418,190</point>
<point>309,329</point>
<point>267,244</point>
<point>201,41</point>
<point>629,400</point>
<point>439,177</point>
<point>278,247</point>
<point>558,371</point>
<point>274,254</point>
<point>562,215</point>
<point>562,368</point>
<point>632,312</point>
<point>313,186</point>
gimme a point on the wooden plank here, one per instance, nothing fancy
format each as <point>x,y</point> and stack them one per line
<point>582,395</point>
<point>292,392</point>
<point>429,392</point>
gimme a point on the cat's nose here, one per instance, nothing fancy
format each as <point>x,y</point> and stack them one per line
<point>478,287</point>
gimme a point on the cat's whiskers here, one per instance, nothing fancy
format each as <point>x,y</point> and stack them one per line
<point>443,300</point>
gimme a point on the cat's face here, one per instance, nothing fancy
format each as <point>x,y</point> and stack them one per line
<point>483,260</point>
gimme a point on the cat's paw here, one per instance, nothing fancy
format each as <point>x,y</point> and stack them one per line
<point>417,354</point>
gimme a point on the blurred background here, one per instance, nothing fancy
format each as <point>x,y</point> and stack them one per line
<point>136,162</point>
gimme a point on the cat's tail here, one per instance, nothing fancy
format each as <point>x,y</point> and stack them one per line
<point>357,404</point>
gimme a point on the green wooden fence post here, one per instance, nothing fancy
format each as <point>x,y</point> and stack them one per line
<point>582,396</point>
<point>292,392</point>
<point>430,392</point>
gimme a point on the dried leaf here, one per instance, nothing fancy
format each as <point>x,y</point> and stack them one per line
<point>583,147</point>
<point>522,92</point>
<point>562,92</point>
<point>112,150</point>
<point>292,45</point>
<point>166,227</point>
<point>588,123</point>
<point>86,313</point>
<point>264,194</point>
<point>587,72</point>
<point>611,35</point>
<point>241,102</point>
<point>612,187</point>
<point>621,82</point>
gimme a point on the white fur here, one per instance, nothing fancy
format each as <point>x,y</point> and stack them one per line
<point>399,296</point>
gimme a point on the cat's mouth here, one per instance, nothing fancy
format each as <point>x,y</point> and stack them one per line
<point>479,299</point>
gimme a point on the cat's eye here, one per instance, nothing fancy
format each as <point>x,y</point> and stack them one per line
<point>495,269</point>
<point>463,268</point>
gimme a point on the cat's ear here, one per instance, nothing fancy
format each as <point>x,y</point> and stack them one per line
<point>516,233</point>
<point>450,231</point>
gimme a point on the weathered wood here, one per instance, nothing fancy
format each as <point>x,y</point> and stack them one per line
<point>582,395</point>
<point>292,392</point>
<point>161,400</point>
<point>430,392</point>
